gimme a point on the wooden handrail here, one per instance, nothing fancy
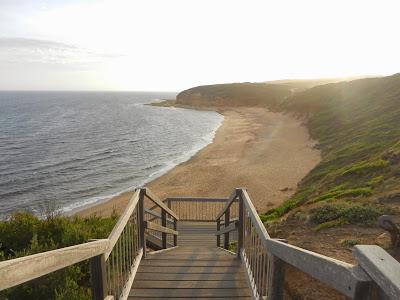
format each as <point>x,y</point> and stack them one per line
<point>233,226</point>
<point>160,203</point>
<point>381,267</point>
<point>23,269</point>
<point>228,204</point>
<point>156,215</point>
<point>156,227</point>
<point>123,219</point>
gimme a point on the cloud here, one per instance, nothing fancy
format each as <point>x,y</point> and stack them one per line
<point>27,51</point>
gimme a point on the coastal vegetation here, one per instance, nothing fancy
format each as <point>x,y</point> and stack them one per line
<point>25,234</point>
<point>357,126</point>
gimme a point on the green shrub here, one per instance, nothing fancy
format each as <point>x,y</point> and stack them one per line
<point>352,214</point>
<point>25,234</point>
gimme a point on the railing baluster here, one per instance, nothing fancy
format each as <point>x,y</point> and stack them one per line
<point>226,224</point>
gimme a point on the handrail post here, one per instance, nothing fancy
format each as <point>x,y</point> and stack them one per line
<point>226,235</point>
<point>240,226</point>
<point>98,277</point>
<point>164,224</point>
<point>218,229</point>
<point>175,224</point>
<point>141,221</point>
<point>276,282</point>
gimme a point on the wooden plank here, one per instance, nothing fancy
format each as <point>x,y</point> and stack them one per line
<point>123,219</point>
<point>186,270</point>
<point>197,199</point>
<point>193,298</point>
<point>16,271</point>
<point>192,263</point>
<point>98,277</point>
<point>160,203</point>
<point>233,226</point>
<point>341,276</point>
<point>156,215</point>
<point>189,284</point>
<point>157,227</point>
<point>190,276</point>
<point>128,285</point>
<point>381,267</point>
<point>228,204</point>
<point>189,293</point>
<point>260,228</point>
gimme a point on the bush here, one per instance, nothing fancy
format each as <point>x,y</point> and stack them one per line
<point>25,234</point>
<point>355,214</point>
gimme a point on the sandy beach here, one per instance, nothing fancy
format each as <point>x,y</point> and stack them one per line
<point>266,152</point>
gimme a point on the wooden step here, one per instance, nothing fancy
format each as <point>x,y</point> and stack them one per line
<point>189,293</point>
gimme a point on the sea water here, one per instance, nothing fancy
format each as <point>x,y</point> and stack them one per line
<point>65,150</point>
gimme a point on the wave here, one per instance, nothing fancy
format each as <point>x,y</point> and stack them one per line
<point>163,169</point>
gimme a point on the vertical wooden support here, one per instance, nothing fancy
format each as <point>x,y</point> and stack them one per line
<point>240,226</point>
<point>175,236</point>
<point>218,229</point>
<point>164,224</point>
<point>276,282</point>
<point>98,277</point>
<point>142,236</point>
<point>226,235</point>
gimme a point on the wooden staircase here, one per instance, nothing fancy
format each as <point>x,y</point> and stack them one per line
<point>195,269</point>
<point>195,236</point>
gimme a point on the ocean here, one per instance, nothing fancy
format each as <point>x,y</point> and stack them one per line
<point>60,151</point>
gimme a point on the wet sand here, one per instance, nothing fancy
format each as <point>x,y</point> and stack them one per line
<point>266,152</point>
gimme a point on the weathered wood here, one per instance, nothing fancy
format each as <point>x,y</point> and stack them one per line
<point>381,267</point>
<point>109,298</point>
<point>157,215</point>
<point>141,224</point>
<point>16,271</point>
<point>276,282</point>
<point>191,263</point>
<point>260,228</point>
<point>190,293</point>
<point>156,227</point>
<point>189,284</point>
<point>160,203</point>
<point>226,224</point>
<point>218,229</point>
<point>193,276</point>
<point>175,235</point>
<point>233,226</point>
<point>197,199</point>
<point>98,277</point>
<point>228,204</point>
<point>164,224</point>
<point>240,226</point>
<point>128,284</point>
<point>121,223</point>
<point>341,276</point>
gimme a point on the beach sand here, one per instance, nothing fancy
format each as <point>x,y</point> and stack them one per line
<point>266,152</point>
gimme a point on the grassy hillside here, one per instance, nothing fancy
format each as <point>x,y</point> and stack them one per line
<point>234,94</point>
<point>357,125</point>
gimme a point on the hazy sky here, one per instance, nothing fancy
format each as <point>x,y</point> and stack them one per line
<point>176,44</point>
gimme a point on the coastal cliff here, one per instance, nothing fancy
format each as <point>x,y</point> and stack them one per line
<point>234,95</point>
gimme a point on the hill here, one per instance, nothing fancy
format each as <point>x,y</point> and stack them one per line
<point>234,94</point>
<point>357,125</point>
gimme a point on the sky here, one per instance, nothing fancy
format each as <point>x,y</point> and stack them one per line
<point>170,45</point>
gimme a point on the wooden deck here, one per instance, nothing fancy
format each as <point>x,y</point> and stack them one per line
<point>196,269</point>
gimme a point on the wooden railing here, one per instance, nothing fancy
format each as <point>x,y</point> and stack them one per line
<point>113,261</point>
<point>376,276</point>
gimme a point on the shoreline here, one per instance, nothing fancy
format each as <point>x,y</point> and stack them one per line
<point>266,152</point>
